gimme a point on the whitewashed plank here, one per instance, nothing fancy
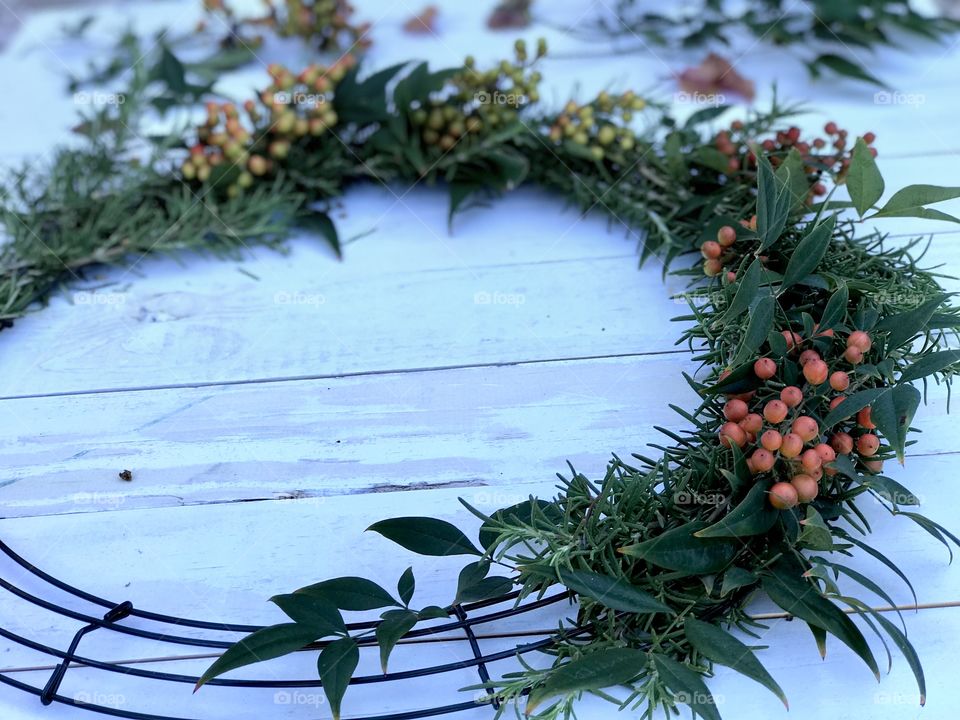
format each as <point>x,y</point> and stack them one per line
<point>491,430</point>
<point>220,562</point>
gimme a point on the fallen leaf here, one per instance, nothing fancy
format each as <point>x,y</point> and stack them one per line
<point>510,14</point>
<point>715,76</point>
<point>424,22</point>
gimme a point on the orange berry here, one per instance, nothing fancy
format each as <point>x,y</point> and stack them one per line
<point>842,443</point>
<point>711,250</point>
<point>792,445</point>
<point>874,466</point>
<point>806,427</point>
<point>859,339</point>
<point>763,460</point>
<point>712,267</point>
<point>765,368</point>
<point>807,488</point>
<point>868,444</point>
<point>836,401</point>
<point>752,423</point>
<point>853,355</point>
<point>792,338</point>
<point>784,496</point>
<point>731,277</point>
<point>791,396</point>
<point>864,418</point>
<point>732,434</point>
<point>735,410</point>
<point>810,460</point>
<point>808,355</point>
<point>775,411</point>
<point>771,440</point>
<point>826,453</point>
<point>839,381</point>
<point>726,236</point>
<point>816,371</point>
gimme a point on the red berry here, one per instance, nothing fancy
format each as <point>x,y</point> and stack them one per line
<point>869,137</point>
<point>735,410</point>
<point>807,488</point>
<point>732,434</point>
<point>853,355</point>
<point>792,445</point>
<point>816,371</point>
<point>775,411</point>
<point>784,496</point>
<point>771,440</point>
<point>860,339</point>
<point>826,453</point>
<point>806,427</point>
<point>836,401</point>
<point>763,460</point>
<point>711,250</point>
<point>808,355</point>
<point>752,423</point>
<point>864,418</point>
<point>839,381</point>
<point>830,128</point>
<point>765,368</point>
<point>792,338</point>
<point>811,460</point>
<point>842,443</point>
<point>731,277</point>
<point>791,396</point>
<point>726,236</point>
<point>868,444</point>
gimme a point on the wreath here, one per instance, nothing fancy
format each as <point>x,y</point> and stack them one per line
<point>811,331</point>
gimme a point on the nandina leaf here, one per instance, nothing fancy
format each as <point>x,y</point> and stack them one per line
<point>351,593</point>
<point>406,586</point>
<point>816,533</point>
<point>773,203</point>
<point>748,288</point>
<point>721,647</point>
<point>835,310</point>
<point>679,549</point>
<point>336,664</point>
<point>736,577</point>
<point>892,413</point>
<point>794,177</point>
<point>787,588</point>
<point>394,624</point>
<point>426,536</point>
<point>864,180</point>
<point>809,252</point>
<point>264,644</point>
<point>910,201</point>
<point>853,404</point>
<point>687,685</point>
<point>843,66</point>
<point>522,512</point>
<point>929,364</point>
<point>315,612</point>
<point>320,223</point>
<point>904,326</point>
<point>908,651</point>
<point>614,593</point>
<point>761,323</point>
<point>753,516</point>
<point>592,671</point>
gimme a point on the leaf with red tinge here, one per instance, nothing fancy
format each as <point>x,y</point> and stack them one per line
<point>715,76</point>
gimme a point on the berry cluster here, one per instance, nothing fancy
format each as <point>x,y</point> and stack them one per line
<point>324,23</point>
<point>780,423</point>
<point>479,101</point>
<point>600,125</point>
<point>830,155</point>
<point>291,109</point>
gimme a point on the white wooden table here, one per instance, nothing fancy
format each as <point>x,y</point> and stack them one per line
<point>271,409</point>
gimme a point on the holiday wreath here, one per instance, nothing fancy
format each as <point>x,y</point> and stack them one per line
<point>811,333</point>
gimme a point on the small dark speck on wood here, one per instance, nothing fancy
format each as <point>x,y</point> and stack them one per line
<point>126,475</point>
